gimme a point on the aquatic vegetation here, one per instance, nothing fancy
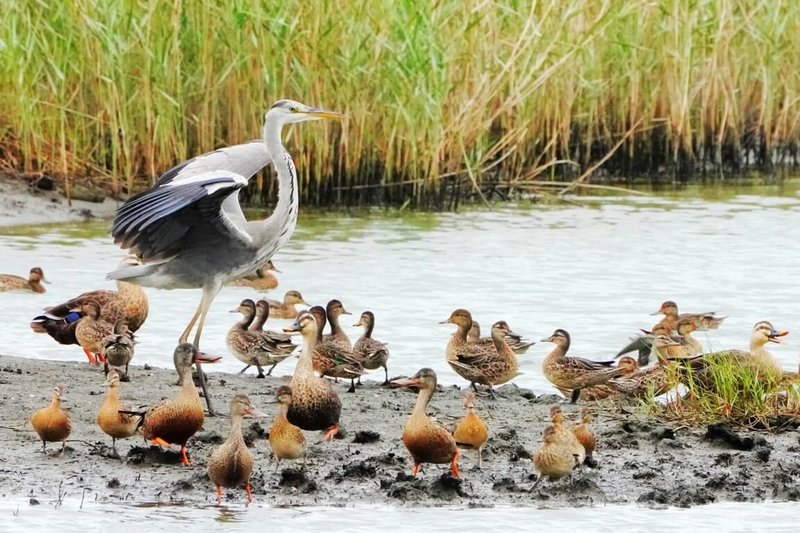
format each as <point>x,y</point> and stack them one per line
<point>445,100</point>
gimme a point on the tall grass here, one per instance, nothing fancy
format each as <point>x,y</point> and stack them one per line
<point>441,96</point>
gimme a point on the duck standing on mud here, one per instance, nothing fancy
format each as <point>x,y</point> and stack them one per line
<point>285,439</point>
<point>425,439</point>
<point>113,422</point>
<point>471,432</point>
<point>51,423</point>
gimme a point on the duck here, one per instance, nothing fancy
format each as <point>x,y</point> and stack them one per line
<point>757,359</point>
<point>425,439</point>
<point>91,331</point>
<point>262,279</point>
<point>554,459</point>
<point>703,321</point>
<point>285,439</point>
<point>52,423</point>
<point>252,347</point>
<point>641,383</point>
<point>680,345</point>
<point>10,282</point>
<point>333,311</point>
<point>129,302</point>
<point>373,353</point>
<point>62,330</point>
<point>583,432</point>
<point>315,405</point>
<point>565,435</point>
<point>176,420</point>
<point>118,350</point>
<point>331,358</point>
<point>471,432</point>
<point>116,424</point>
<point>571,374</point>
<point>515,342</point>
<point>628,366</point>
<point>287,308</point>
<point>231,463</point>
<point>687,346</point>
<point>487,365</point>
<point>281,340</point>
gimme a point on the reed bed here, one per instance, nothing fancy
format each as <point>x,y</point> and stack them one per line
<point>444,98</point>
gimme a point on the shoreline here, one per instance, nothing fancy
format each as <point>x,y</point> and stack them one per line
<point>640,460</point>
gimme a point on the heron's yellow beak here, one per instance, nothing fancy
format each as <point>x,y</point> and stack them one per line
<point>322,113</point>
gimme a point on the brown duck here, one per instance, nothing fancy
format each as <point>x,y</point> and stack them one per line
<point>628,366</point>
<point>52,423</point>
<point>333,311</point>
<point>515,342</point>
<point>252,347</point>
<point>555,459</point>
<point>116,424</point>
<point>331,358</point>
<point>471,432</point>
<point>118,350</point>
<point>10,282</point>
<point>703,321</point>
<point>426,439</point>
<point>282,341</point>
<point>583,432</point>
<point>231,464</point>
<point>91,331</point>
<point>373,353</point>
<point>286,440</point>
<point>262,279</point>
<point>176,420</point>
<point>287,308</point>
<point>315,405</point>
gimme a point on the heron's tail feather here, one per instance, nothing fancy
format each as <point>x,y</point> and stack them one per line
<point>130,272</point>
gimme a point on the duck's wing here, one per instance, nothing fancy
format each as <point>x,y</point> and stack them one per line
<point>62,310</point>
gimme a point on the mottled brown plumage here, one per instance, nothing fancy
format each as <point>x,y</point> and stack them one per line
<point>703,321</point>
<point>253,347</point>
<point>471,432</point>
<point>333,311</point>
<point>315,404</point>
<point>286,440</point>
<point>231,464</point>
<point>373,353</point>
<point>425,439</point>
<point>10,282</point>
<point>113,423</point>
<point>627,365</point>
<point>583,432</point>
<point>555,459</point>
<point>262,279</point>
<point>331,357</point>
<point>51,423</point>
<point>92,330</point>
<point>118,350</point>
<point>514,341</point>
<point>287,308</point>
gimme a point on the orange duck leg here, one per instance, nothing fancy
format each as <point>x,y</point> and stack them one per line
<point>330,433</point>
<point>454,464</point>
<point>92,360</point>
<point>184,459</point>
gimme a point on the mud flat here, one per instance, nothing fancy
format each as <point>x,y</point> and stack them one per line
<point>640,461</point>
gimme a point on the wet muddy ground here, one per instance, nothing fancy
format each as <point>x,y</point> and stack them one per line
<point>639,460</point>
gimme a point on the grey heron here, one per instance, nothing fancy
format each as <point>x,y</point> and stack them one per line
<point>189,230</point>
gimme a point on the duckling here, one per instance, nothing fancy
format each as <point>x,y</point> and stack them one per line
<point>373,353</point>
<point>250,347</point>
<point>286,440</point>
<point>488,366</point>
<point>315,404</point>
<point>231,464</point>
<point>128,302</point>
<point>703,321</point>
<point>331,358</point>
<point>118,349</point>
<point>286,308</point>
<point>262,279</point>
<point>583,432</point>
<point>571,374</point>
<point>176,420</point>
<point>565,435</point>
<point>555,459</point>
<point>471,432</point>
<point>10,282</point>
<point>91,331</point>
<point>333,311</point>
<point>51,423</point>
<point>515,342</point>
<point>115,424</point>
<point>426,439</point>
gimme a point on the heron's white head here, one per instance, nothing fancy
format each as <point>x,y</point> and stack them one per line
<point>289,112</point>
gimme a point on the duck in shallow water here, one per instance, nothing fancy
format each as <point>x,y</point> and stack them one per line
<point>262,279</point>
<point>425,439</point>
<point>315,405</point>
<point>703,321</point>
<point>287,308</point>
<point>231,464</point>
<point>373,353</point>
<point>10,282</point>
<point>286,440</point>
<point>51,423</point>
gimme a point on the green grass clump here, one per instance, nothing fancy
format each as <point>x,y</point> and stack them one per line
<point>463,94</point>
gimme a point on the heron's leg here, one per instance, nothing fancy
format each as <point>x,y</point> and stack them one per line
<point>209,293</point>
<point>185,335</point>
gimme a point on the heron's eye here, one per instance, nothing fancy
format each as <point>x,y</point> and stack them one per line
<point>293,109</point>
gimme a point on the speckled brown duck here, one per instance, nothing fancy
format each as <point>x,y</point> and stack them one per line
<point>116,424</point>
<point>285,439</point>
<point>555,459</point>
<point>628,366</point>
<point>176,420</point>
<point>487,365</point>
<point>583,432</point>
<point>331,358</point>
<point>118,348</point>
<point>703,321</point>
<point>52,423</point>
<point>262,279</point>
<point>514,341</point>
<point>231,464</point>
<point>333,311</point>
<point>33,283</point>
<point>288,307</point>
<point>283,342</point>
<point>373,353</point>
<point>642,383</point>
<point>571,374</point>
<point>471,432</point>
<point>91,331</point>
<point>315,405</point>
<point>425,439</point>
<point>252,348</point>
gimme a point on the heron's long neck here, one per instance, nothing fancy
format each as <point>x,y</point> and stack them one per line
<point>285,215</point>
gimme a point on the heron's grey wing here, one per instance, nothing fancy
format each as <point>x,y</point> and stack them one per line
<point>160,222</point>
<point>243,159</point>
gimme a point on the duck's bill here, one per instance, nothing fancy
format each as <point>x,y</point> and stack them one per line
<point>324,113</point>
<point>294,329</point>
<point>207,359</point>
<point>656,313</point>
<point>510,333</point>
<point>45,280</point>
<point>346,312</point>
<point>775,336</point>
<point>546,339</point>
<point>255,413</point>
<point>234,310</point>
<point>358,324</point>
<point>404,382</point>
<point>445,321</point>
